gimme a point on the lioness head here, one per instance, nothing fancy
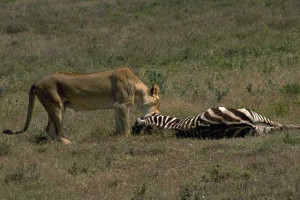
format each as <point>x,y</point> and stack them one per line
<point>151,104</point>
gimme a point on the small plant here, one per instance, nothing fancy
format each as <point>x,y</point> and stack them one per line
<point>113,183</point>
<point>15,28</point>
<point>291,89</point>
<point>191,89</point>
<point>192,192</point>
<point>98,134</point>
<point>17,176</point>
<point>288,139</point>
<point>40,138</point>
<point>270,84</point>
<point>3,88</point>
<point>250,88</point>
<point>219,61</point>
<point>140,192</point>
<point>140,151</point>
<point>42,149</point>
<point>77,169</point>
<point>281,108</point>
<point>218,173</point>
<point>186,193</point>
<point>4,148</point>
<point>80,152</point>
<point>219,94</point>
<point>109,161</point>
<point>23,174</point>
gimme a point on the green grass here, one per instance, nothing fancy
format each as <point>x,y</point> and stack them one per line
<point>201,53</point>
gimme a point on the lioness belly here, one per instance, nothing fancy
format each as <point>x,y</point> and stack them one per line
<point>87,92</point>
<point>89,103</point>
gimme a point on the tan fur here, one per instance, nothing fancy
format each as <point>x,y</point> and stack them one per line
<point>117,89</point>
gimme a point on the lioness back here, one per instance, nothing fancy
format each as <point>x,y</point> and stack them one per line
<point>91,91</point>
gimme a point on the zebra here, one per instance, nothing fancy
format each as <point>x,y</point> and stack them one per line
<point>215,123</point>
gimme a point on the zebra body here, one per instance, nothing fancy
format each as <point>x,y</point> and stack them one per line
<point>216,123</point>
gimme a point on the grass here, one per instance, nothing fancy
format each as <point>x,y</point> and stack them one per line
<point>201,53</point>
<point>145,167</point>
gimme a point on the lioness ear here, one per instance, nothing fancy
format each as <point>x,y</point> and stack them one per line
<point>154,90</point>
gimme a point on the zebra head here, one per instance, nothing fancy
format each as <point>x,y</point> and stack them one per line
<point>141,121</point>
<point>147,119</point>
<point>142,126</point>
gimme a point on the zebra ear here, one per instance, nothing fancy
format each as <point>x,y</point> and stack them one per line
<point>140,121</point>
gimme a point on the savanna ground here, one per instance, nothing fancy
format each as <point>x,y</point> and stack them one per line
<point>201,53</point>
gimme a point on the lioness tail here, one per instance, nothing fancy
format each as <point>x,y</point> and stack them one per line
<point>29,113</point>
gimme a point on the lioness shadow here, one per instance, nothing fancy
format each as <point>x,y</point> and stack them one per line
<point>40,138</point>
<point>141,130</point>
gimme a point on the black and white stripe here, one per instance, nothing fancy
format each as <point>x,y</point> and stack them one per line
<point>216,123</point>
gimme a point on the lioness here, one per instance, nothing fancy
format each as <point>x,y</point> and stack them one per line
<point>117,89</point>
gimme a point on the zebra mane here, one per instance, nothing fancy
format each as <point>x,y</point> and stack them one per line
<point>161,121</point>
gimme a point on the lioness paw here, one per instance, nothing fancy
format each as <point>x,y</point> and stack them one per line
<point>66,141</point>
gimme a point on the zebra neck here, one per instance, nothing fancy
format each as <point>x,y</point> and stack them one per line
<point>164,122</point>
<point>184,125</point>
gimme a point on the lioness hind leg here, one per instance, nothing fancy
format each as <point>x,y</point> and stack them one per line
<point>57,119</point>
<point>55,110</point>
<point>50,129</point>
<point>122,118</point>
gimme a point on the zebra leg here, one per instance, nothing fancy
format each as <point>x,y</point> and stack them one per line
<point>256,131</point>
<point>260,129</point>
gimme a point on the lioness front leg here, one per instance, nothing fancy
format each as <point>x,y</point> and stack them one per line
<point>121,112</point>
<point>117,121</point>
